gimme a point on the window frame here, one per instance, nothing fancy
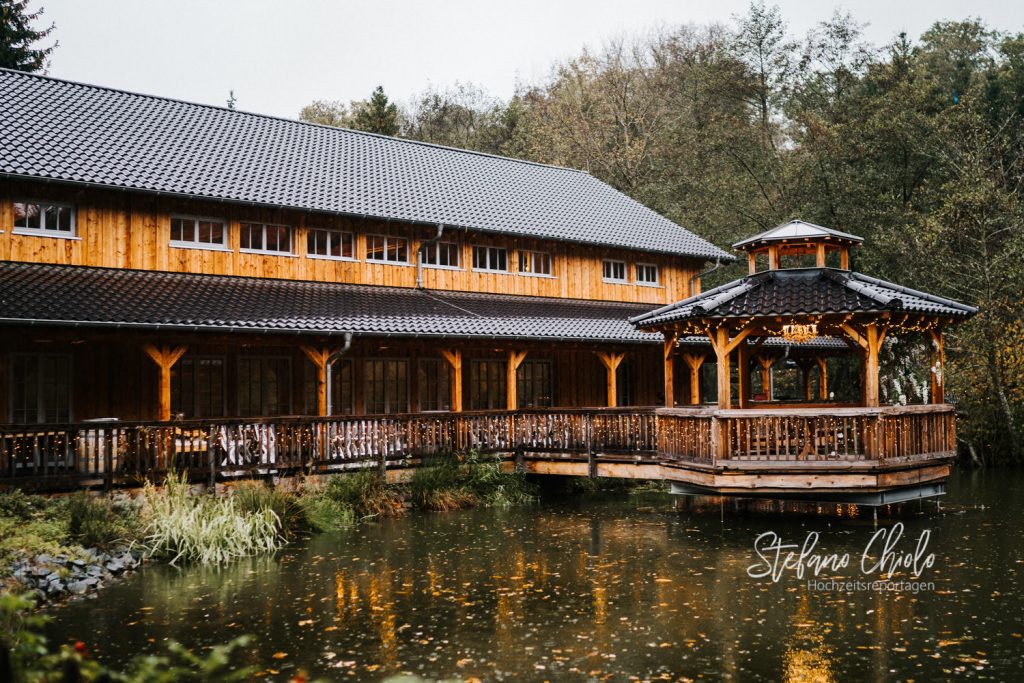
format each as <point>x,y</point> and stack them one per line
<point>648,283</point>
<point>489,249</point>
<point>612,280</point>
<point>70,234</point>
<point>177,390</point>
<point>331,257</point>
<point>223,245</point>
<point>456,248</point>
<point>533,255</point>
<point>442,389</point>
<point>388,398</point>
<point>528,387</point>
<point>496,399</point>
<point>264,250</point>
<point>289,382</point>
<point>36,358</point>
<point>387,239</point>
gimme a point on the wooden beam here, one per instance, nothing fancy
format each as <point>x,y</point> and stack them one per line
<point>766,363</point>
<point>854,335</point>
<point>822,378</point>
<point>752,262</point>
<point>743,370</point>
<point>668,349</point>
<point>165,357</point>
<point>694,361</point>
<point>844,258</point>
<point>321,359</point>
<point>938,354</point>
<point>820,255</point>
<point>611,363</point>
<point>874,339</point>
<point>515,359</point>
<point>773,257</point>
<point>721,346</point>
<point>454,358</point>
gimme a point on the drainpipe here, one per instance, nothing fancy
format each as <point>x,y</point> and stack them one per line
<point>718,264</point>
<point>330,361</point>
<point>419,255</point>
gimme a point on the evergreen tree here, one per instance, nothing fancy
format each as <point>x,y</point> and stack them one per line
<point>17,36</point>
<point>379,115</point>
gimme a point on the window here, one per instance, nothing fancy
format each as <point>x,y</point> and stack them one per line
<point>490,258</point>
<point>275,239</point>
<point>207,233</point>
<point>386,386</point>
<point>264,386</point>
<point>433,383</point>
<point>44,218</point>
<point>487,385</point>
<point>614,271</point>
<point>624,384</point>
<point>534,262</point>
<point>40,388</point>
<point>197,387</point>
<point>440,255</point>
<point>330,244</point>
<point>647,273</point>
<point>387,249</point>
<point>339,390</point>
<point>533,384</point>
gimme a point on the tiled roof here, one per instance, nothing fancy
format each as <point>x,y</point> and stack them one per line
<point>823,343</point>
<point>803,291</point>
<point>795,231</point>
<point>102,297</point>
<point>81,133</point>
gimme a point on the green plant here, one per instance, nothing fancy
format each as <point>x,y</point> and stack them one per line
<point>204,529</point>
<point>16,503</point>
<point>95,521</point>
<point>326,514</point>
<point>366,492</point>
<point>254,497</point>
<point>449,482</point>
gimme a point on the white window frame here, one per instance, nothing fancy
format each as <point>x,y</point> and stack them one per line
<point>490,250</point>
<point>426,248</point>
<point>387,240</point>
<point>263,233</point>
<point>615,262</point>
<point>533,255</point>
<point>648,283</point>
<point>191,244</point>
<point>42,205</point>
<point>330,233</point>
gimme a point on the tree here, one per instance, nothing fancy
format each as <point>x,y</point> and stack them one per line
<point>379,115</point>
<point>327,113</point>
<point>17,37</point>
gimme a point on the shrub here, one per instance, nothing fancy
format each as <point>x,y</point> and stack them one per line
<point>253,497</point>
<point>366,493</point>
<point>205,529</point>
<point>450,482</point>
<point>95,521</point>
<point>326,514</point>
<point>15,503</point>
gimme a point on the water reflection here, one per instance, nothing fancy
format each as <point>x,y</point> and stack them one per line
<point>650,587</point>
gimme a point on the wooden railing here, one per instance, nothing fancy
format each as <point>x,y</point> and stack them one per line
<point>121,452</point>
<point>115,453</point>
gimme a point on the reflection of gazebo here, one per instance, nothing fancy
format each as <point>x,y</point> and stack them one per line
<point>802,305</point>
<point>801,300</point>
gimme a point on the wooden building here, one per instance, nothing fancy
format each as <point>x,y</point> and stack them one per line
<point>195,287</point>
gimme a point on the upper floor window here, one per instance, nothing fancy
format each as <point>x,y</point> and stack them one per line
<point>534,262</point>
<point>330,244</point>
<point>274,239</point>
<point>44,218</point>
<point>614,271</point>
<point>387,248</point>
<point>647,273</point>
<point>192,231</point>
<point>440,255</point>
<point>490,258</point>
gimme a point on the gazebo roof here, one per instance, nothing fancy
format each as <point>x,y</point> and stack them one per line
<point>825,343</point>
<point>797,231</point>
<point>802,292</point>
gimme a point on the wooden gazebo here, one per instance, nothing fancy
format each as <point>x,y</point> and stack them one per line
<point>800,291</point>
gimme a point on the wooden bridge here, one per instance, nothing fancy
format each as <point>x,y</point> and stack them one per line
<point>867,455</point>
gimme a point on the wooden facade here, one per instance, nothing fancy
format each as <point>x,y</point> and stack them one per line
<point>130,230</point>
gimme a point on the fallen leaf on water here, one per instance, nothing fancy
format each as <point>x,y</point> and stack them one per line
<point>279,655</point>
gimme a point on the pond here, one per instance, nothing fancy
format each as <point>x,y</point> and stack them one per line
<point>601,589</point>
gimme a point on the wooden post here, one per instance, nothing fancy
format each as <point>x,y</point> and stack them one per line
<point>667,350</point>
<point>165,357</point>
<point>766,363</point>
<point>319,358</point>
<point>694,361</point>
<point>822,378</point>
<point>454,358</point>
<point>752,263</point>
<point>611,363</point>
<point>844,258</point>
<point>805,373</point>
<point>723,347</point>
<point>515,359</point>
<point>874,339</point>
<point>743,370</point>
<point>939,362</point>
<point>773,257</point>
<point>820,255</point>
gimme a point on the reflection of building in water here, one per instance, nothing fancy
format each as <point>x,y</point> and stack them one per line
<point>807,657</point>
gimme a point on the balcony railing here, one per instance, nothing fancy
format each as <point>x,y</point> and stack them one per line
<point>116,453</point>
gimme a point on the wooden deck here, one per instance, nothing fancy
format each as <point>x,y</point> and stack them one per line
<point>768,451</point>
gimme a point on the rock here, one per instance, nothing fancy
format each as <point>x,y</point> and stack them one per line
<point>43,559</point>
<point>42,571</point>
<point>91,581</point>
<point>94,570</point>
<point>79,563</point>
<point>78,587</point>
<point>55,588</point>
<point>53,576</point>
<point>114,567</point>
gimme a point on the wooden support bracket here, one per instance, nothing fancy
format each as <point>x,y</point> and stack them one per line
<point>454,358</point>
<point>165,357</point>
<point>611,363</point>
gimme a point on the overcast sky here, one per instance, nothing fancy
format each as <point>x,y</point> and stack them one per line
<point>278,55</point>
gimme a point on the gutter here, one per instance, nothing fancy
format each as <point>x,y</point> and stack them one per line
<point>419,254</point>
<point>330,363</point>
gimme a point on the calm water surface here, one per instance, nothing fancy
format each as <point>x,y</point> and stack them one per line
<point>597,590</point>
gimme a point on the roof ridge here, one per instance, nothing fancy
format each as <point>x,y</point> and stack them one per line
<point>271,117</point>
<point>914,292</point>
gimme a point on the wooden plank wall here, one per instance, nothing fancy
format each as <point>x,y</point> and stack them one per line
<point>126,230</point>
